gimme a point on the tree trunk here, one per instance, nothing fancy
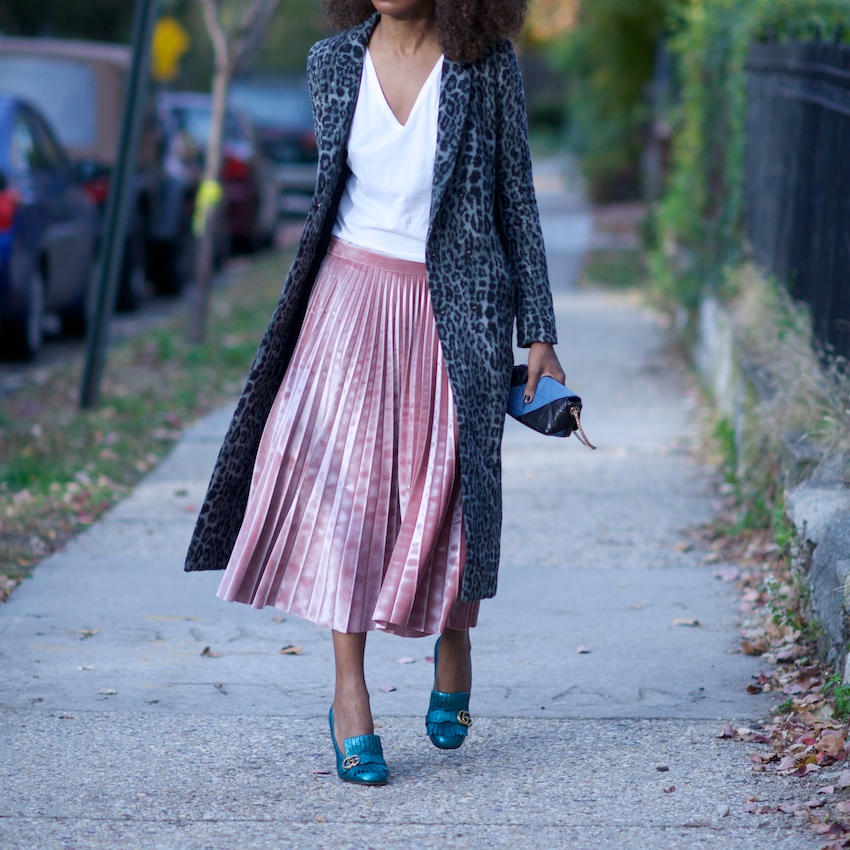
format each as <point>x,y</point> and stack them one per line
<point>205,260</point>
<point>252,26</point>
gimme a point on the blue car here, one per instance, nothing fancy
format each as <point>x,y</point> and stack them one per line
<point>48,232</point>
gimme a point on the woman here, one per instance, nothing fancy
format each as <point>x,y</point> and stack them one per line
<point>359,484</point>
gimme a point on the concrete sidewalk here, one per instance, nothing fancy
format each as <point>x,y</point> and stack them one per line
<point>122,731</point>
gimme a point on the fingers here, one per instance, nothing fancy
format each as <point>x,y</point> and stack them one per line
<point>531,386</point>
<point>557,373</point>
<point>542,362</point>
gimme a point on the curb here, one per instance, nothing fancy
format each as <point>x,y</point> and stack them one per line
<point>817,500</point>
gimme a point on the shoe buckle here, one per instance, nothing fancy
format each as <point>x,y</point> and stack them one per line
<point>464,718</point>
<point>350,761</point>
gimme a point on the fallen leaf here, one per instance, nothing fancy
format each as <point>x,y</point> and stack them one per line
<point>87,667</point>
<point>843,807</point>
<point>757,647</point>
<point>87,633</point>
<point>686,621</point>
<point>208,653</point>
<point>727,573</point>
<point>220,688</point>
<point>289,649</point>
<point>321,773</point>
<point>107,692</point>
<point>683,546</point>
<point>788,763</point>
<point>831,744</point>
<point>669,790</point>
<point>843,781</point>
<point>728,731</point>
<point>582,650</point>
<point>407,659</point>
<point>388,689</point>
<point>820,828</point>
<point>751,806</point>
<point>826,789</point>
<point>279,619</point>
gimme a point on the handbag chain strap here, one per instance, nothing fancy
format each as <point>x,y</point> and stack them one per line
<point>579,432</point>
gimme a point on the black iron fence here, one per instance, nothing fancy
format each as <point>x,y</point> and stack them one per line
<point>798,177</point>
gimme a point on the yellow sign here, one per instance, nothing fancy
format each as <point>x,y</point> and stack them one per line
<point>170,42</point>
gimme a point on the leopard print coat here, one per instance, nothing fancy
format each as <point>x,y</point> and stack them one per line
<point>486,270</point>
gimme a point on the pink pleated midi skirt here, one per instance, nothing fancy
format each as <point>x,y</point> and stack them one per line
<point>354,520</point>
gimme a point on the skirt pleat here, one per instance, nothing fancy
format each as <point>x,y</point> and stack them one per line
<point>355,519</point>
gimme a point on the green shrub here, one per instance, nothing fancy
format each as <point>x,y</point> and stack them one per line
<point>607,60</point>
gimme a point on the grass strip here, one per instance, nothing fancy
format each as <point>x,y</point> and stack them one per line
<point>61,467</point>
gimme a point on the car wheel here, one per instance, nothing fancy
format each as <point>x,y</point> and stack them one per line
<point>74,321</point>
<point>171,264</point>
<point>134,272</point>
<point>24,339</point>
<point>242,244</point>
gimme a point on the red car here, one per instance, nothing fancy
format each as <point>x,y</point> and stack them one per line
<point>247,176</point>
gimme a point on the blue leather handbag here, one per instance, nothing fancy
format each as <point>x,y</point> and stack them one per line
<point>554,411</point>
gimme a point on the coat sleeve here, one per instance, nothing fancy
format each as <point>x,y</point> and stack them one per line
<point>517,215</point>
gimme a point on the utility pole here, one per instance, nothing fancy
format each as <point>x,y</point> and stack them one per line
<point>118,209</point>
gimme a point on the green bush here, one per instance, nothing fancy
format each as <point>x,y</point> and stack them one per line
<point>699,222</point>
<point>607,60</point>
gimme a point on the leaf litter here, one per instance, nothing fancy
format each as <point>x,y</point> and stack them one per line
<point>804,739</point>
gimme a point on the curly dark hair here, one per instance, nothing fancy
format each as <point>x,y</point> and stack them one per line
<point>466,27</point>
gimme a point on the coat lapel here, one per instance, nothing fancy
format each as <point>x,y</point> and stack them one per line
<point>454,101</point>
<point>347,73</point>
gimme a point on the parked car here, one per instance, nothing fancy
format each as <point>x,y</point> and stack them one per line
<point>247,177</point>
<point>48,232</point>
<point>80,87</point>
<point>280,110</point>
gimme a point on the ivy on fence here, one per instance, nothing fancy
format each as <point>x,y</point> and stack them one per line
<point>699,220</point>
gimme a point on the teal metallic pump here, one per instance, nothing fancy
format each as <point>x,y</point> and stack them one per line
<point>363,762</point>
<point>448,719</point>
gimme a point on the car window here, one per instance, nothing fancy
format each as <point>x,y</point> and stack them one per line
<point>49,154</point>
<point>64,90</point>
<point>285,108</point>
<point>22,153</point>
<point>196,123</point>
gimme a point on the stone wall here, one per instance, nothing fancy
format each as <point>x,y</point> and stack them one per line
<point>817,500</point>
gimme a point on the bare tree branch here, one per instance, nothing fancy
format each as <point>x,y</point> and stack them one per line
<point>216,31</point>
<point>252,29</point>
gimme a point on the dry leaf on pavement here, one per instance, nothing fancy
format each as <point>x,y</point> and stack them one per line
<point>686,621</point>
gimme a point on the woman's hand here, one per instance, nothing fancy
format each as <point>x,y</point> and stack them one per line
<point>542,362</point>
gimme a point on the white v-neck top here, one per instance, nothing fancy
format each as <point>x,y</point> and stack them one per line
<point>386,203</point>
